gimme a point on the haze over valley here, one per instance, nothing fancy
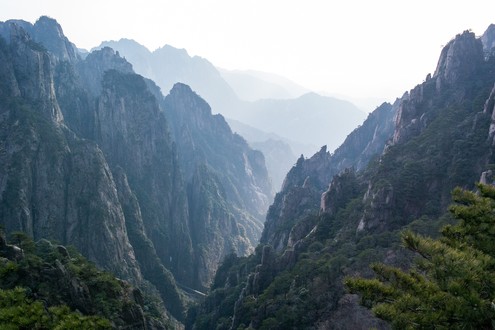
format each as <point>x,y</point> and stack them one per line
<point>156,187</point>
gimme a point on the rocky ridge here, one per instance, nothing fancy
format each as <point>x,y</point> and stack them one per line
<point>437,136</point>
<point>87,158</point>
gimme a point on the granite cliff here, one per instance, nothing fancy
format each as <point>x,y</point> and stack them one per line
<point>89,157</point>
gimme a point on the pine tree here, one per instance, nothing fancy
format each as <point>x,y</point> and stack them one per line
<point>452,284</point>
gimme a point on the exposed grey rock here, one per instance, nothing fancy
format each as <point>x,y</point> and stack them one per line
<point>228,186</point>
<point>292,205</point>
<point>32,68</point>
<point>488,40</point>
<point>305,185</point>
<point>97,63</point>
<point>344,184</point>
<point>132,131</point>
<point>47,32</point>
<point>459,59</point>
<point>379,196</point>
<point>54,185</point>
<point>146,255</point>
<point>351,315</point>
<point>487,177</point>
<point>203,138</point>
<point>368,140</point>
<point>489,109</point>
<point>92,207</point>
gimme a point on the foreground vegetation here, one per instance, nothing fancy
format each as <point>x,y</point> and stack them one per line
<point>452,284</point>
<point>48,286</point>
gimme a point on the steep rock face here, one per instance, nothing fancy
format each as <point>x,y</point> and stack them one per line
<point>489,109</point>
<point>106,102</point>
<point>133,134</point>
<point>127,123</point>
<point>461,59</point>
<point>411,119</point>
<point>488,40</point>
<point>58,186</point>
<point>314,168</point>
<point>132,155</point>
<point>204,138</point>
<point>298,198</point>
<point>217,229</point>
<point>47,32</point>
<point>368,140</point>
<point>344,184</point>
<point>32,68</point>
<point>53,184</point>
<point>457,95</point>
<point>228,182</point>
<point>99,214</point>
<point>77,85</point>
<point>94,66</point>
<point>149,262</point>
<point>309,178</point>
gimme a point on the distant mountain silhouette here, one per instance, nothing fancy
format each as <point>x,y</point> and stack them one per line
<point>250,85</point>
<point>168,65</point>
<point>311,119</point>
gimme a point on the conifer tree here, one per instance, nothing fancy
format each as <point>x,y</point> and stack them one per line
<point>452,284</point>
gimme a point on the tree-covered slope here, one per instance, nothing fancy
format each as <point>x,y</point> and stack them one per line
<point>45,286</point>
<point>329,222</point>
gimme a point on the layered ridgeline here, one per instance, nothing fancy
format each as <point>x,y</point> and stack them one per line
<point>330,119</point>
<point>339,212</point>
<point>88,158</point>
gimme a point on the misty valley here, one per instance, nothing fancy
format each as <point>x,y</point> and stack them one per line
<point>152,190</point>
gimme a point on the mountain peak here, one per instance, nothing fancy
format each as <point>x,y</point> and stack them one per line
<point>191,101</point>
<point>460,58</point>
<point>97,63</point>
<point>124,45</point>
<point>169,50</point>
<point>49,33</point>
<point>48,22</point>
<point>488,39</point>
<point>181,88</point>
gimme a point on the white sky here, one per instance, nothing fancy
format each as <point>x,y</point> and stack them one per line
<point>360,48</point>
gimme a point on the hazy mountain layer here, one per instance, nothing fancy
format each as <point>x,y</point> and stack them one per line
<point>253,85</point>
<point>307,122</point>
<point>167,66</point>
<point>311,119</point>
